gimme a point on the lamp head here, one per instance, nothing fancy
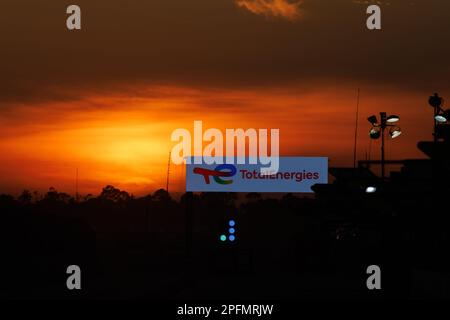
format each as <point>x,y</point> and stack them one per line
<point>435,101</point>
<point>375,133</point>
<point>373,120</point>
<point>440,118</point>
<point>392,119</point>
<point>394,132</point>
<point>443,116</point>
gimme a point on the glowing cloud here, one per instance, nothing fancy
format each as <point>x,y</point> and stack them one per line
<point>273,8</point>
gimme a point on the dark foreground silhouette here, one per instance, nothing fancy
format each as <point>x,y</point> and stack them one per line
<point>287,248</point>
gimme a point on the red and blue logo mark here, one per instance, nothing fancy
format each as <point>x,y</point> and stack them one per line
<point>219,172</point>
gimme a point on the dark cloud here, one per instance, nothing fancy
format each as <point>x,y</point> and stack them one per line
<point>215,43</point>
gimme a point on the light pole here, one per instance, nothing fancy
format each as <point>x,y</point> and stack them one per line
<point>378,129</point>
<point>440,115</point>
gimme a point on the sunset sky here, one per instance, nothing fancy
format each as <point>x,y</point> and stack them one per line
<point>106,99</point>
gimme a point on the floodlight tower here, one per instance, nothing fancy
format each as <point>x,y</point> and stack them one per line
<point>378,129</point>
<point>440,116</point>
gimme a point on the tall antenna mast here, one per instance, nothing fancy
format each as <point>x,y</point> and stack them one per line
<point>76,187</point>
<point>168,173</point>
<point>356,131</point>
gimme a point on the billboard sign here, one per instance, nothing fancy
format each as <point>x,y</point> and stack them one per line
<point>295,174</point>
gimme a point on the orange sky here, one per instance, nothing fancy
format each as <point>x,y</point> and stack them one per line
<point>125,140</point>
<point>105,99</point>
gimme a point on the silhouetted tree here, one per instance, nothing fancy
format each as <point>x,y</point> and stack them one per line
<point>161,195</point>
<point>36,196</point>
<point>113,194</point>
<point>25,197</point>
<point>54,196</point>
<point>6,200</point>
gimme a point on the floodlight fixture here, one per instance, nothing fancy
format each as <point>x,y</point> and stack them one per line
<point>442,116</point>
<point>435,101</point>
<point>378,129</point>
<point>373,120</point>
<point>394,132</point>
<point>393,119</point>
<point>375,133</point>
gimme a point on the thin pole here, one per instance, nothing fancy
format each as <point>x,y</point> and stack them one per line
<point>436,111</point>
<point>382,154</point>
<point>168,173</point>
<point>383,127</point>
<point>76,187</point>
<point>356,131</point>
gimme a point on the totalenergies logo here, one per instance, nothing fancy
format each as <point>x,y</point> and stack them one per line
<point>221,171</point>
